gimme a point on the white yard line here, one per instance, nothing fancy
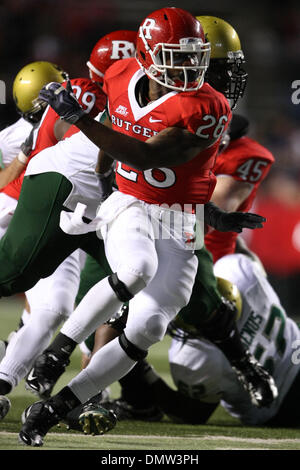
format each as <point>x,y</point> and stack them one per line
<point>197,438</point>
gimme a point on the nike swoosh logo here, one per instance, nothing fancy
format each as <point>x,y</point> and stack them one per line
<point>31,376</point>
<point>154,120</point>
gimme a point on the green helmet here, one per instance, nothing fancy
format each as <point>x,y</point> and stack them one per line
<point>230,292</point>
<point>27,84</point>
<point>225,72</point>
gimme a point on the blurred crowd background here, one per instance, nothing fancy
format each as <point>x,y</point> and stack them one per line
<point>65,32</point>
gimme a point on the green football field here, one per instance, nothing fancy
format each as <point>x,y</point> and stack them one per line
<point>221,433</point>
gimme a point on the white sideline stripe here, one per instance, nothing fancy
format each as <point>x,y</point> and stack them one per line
<point>252,440</point>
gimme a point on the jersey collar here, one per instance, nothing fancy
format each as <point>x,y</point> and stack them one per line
<point>137,110</point>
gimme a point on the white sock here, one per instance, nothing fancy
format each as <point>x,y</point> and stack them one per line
<point>108,364</point>
<point>98,305</point>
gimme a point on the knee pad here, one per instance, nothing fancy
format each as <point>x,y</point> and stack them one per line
<point>128,282</point>
<point>132,351</point>
<point>144,332</point>
<point>137,275</point>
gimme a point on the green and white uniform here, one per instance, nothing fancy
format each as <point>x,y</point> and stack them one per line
<point>34,244</point>
<point>200,369</point>
<point>75,158</point>
<point>36,256</point>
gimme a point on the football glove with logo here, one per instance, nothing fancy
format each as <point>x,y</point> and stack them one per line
<point>63,101</point>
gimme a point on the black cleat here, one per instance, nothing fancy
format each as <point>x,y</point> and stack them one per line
<point>4,406</point>
<point>96,420</point>
<point>72,418</point>
<point>45,373</point>
<point>124,411</point>
<point>37,420</point>
<point>256,381</point>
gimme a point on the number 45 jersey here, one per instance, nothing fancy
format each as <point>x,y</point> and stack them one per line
<point>246,161</point>
<point>204,112</point>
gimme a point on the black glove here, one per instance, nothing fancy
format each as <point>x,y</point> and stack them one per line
<point>26,148</point>
<point>105,182</point>
<point>231,221</point>
<point>63,101</point>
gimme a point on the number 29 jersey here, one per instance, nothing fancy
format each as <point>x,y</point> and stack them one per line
<point>205,112</point>
<point>92,100</point>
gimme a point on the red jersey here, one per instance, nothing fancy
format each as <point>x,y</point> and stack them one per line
<point>93,101</point>
<point>244,160</point>
<point>204,112</point>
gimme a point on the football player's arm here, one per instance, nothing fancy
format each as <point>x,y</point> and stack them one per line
<point>11,172</point>
<point>17,166</point>
<point>171,147</point>
<point>229,193</point>
<point>60,128</point>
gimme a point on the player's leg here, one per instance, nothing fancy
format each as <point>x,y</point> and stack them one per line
<point>34,245</point>
<point>151,310</point>
<point>209,312</point>
<point>133,258</point>
<point>7,209</point>
<point>92,272</point>
<point>205,297</point>
<point>51,301</point>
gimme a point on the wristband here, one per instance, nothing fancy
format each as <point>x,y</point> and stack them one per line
<point>22,158</point>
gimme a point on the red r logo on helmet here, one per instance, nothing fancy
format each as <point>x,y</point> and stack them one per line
<point>122,50</point>
<point>147,26</point>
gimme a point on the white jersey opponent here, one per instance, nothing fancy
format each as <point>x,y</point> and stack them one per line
<point>74,157</point>
<point>51,299</point>
<point>200,369</point>
<point>11,139</point>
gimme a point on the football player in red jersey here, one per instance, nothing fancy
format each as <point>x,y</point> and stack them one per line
<point>33,241</point>
<point>241,167</point>
<point>171,54</point>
